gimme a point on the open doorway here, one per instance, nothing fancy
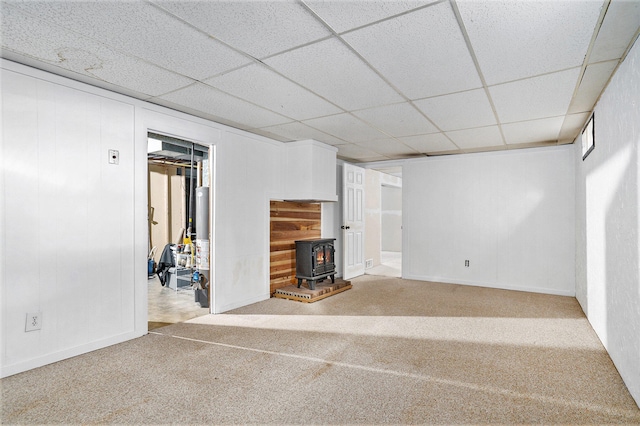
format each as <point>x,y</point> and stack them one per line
<point>383,223</point>
<point>391,230</point>
<point>178,220</point>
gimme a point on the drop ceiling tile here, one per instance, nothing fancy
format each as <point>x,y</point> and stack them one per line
<point>264,87</point>
<point>476,138</point>
<point>332,70</point>
<point>459,111</point>
<point>393,172</point>
<point>397,120</point>
<point>200,97</point>
<point>534,131</point>
<point>389,147</point>
<point>422,53</point>
<point>260,28</point>
<point>533,145</point>
<point>346,127</point>
<point>297,131</point>
<point>145,31</point>
<point>519,39</point>
<point>345,15</point>
<point>429,144</point>
<point>593,82</point>
<point>359,153</point>
<point>538,97</point>
<point>489,148</point>
<point>22,33</point>
<point>616,33</point>
<point>269,135</point>
<point>572,126</point>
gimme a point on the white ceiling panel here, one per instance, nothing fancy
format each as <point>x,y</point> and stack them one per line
<point>269,135</point>
<point>264,87</point>
<point>54,45</point>
<point>519,39</point>
<point>476,138</point>
<point>343,72</point>
<point>538,97</point>
<point>297,131</point>
<point>260,28</point>
<point>572,126</point>
<point>359,153</point>
<point>390,170</point>
<point>397,120</point>
<point>332,70</point>
<point>346,127</point>
<point>429,144</point>
<point>544,130</point>
<point>345,15</point>
<point>144,31</point>
<point>390,147</point>
<point>200,97</point>
<point>463,110</point>
<point>619,26</point>
<point>594,80</point>
<point>423,53</point>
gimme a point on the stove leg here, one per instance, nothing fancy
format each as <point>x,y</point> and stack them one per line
<point>312,284</point>
<point>299,282</point>
<point>333,279</point>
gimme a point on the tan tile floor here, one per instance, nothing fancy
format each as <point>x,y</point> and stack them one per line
<point>170,306</point>
<point>390,265</point>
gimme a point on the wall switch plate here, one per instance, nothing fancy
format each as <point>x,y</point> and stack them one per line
<point>114,156</point>
<point>34,321</point>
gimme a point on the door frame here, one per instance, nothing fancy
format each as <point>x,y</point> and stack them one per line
<point>352,227</point>
<point>211,151</point>
<point>175,125</point>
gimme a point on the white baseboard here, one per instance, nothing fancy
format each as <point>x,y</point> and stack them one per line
<point>530,289</point>
<point>241,303</point>
<point>22,366</point>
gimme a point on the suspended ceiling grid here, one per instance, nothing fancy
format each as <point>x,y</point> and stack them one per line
<point>380,80</point>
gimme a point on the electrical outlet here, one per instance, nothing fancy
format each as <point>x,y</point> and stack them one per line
<point>368,263</point>
<point>114,156</point>
<point>34,321</point>
<point>466,263</point>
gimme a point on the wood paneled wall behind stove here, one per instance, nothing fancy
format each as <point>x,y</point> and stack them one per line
<point>290,222</point>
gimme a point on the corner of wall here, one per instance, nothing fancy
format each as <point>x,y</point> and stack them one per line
<point>608,217</point>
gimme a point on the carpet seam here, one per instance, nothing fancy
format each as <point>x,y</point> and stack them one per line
<point>496,391</point>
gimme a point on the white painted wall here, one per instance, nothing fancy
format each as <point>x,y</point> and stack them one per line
<point>372,216</point>
<point>60,196</point>
<point>308,173</point>
<point>68,233</point>
<point>607,221</point>
<point>391,218</point>
<point>332,220</point>
<point>510,213</point>
<point>247,180</point>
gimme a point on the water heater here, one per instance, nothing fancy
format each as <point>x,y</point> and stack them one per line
<point>202,244</point>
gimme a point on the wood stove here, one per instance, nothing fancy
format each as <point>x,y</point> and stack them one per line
<point>315,261</point>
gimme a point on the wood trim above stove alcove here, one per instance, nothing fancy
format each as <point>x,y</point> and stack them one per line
<point>290,221</point>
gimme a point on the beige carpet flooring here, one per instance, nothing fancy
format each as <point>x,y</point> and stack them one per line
<point>388,351</point>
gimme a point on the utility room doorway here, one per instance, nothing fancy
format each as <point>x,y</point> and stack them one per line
<point>178,218</point>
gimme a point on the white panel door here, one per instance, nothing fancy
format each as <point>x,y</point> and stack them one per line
<point>353,216</point>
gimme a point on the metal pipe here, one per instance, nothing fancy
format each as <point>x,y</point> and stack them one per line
<point>191,193</point>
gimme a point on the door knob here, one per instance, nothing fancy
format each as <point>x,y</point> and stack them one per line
<point>345,227</point>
